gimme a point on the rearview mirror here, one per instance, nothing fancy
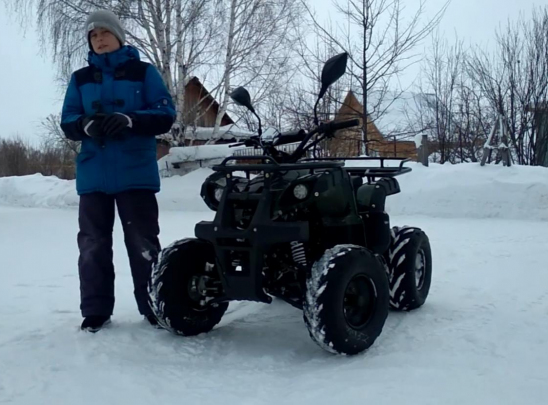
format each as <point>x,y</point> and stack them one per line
<point>241,97</point>
<point>332,71</point>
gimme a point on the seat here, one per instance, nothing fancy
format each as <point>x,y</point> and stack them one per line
<point>357,181</point>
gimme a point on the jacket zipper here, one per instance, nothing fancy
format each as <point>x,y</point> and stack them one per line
<point>104,154</point>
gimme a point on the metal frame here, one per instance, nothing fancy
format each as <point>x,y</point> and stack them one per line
<point>243,278</point>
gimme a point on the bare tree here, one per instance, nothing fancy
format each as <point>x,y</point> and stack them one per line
<point>449,106</point>
<point>463,94</point>
<point>20,158</point>
<point>259,36</point>
<point>180,37</point>
<point>54,136</point>
<point>514,79</point>
<point>437,96</point>
<point>380,45</point>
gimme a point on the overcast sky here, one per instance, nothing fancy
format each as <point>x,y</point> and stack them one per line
<point>29,92</point>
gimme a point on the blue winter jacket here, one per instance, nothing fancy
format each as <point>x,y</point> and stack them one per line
<point>118,82</point>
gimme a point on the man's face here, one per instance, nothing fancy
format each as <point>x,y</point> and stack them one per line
<point>103,41</point>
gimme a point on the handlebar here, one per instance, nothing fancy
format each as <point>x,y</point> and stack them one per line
<point>336,125</point>
<point>289,137</point>
<point>253,141</point>
<point>323,129</point>
<point>300,136</point>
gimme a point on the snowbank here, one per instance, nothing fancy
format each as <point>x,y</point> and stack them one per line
<point>450,191</point>
<point>182,193</point>
<point>472,191</point>
<point>37,191</point>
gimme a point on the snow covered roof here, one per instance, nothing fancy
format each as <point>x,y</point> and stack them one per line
<point>226,132</point>
<point>195,153</point>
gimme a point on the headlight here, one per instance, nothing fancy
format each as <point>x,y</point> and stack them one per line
<point>218,193</point>
<point>300,191</point>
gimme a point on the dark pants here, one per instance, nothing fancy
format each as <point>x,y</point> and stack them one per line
<point>138,212</point>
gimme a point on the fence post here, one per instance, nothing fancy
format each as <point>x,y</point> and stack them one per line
<point>541,125</point>
<point>423,151</point>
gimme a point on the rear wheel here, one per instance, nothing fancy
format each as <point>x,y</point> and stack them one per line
<point>178,288</point>
<point>346,301</point>
<point>409,261</point>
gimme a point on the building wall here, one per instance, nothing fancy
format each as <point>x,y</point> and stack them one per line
<point>162,149</point>
<point>348,142</point>
<point>400,149</point>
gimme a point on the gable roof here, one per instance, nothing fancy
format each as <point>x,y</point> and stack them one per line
<point>351,107</point>
<point>208,98</point>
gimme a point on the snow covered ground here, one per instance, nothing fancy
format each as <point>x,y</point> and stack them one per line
<point>480,339</point>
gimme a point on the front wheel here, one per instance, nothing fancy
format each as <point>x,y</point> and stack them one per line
<point>409,261</point>
<point>178,288</point>
<point>346,301</point>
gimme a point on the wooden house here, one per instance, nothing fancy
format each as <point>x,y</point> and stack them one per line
<point>349,142</point>
<point>200,110</point>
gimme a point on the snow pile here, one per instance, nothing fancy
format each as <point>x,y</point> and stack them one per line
<point>37,191</point>
<point>472,191</point>
<point>182,193</point>
<point>450,191</point>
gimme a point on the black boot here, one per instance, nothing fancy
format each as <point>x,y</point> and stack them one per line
<point>95,323</point>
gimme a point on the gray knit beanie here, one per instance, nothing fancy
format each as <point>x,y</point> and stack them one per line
<point>108,20</point>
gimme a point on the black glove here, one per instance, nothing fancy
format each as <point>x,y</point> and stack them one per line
<point>92,126</point>
<point>115,123</point>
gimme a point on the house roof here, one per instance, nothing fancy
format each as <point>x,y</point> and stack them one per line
<point>351,107</point>
<point>214,104</point>
<point>351,103</point>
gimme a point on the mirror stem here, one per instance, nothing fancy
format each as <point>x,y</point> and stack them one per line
<point>316,122</point>
<point>260,130</point>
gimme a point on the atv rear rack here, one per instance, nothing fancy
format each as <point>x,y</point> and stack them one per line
<point>371,172</point>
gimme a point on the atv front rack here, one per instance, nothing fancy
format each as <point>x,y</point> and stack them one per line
<point>273,166</point>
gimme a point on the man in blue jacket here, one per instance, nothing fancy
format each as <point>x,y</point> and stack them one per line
<point>115,107</point>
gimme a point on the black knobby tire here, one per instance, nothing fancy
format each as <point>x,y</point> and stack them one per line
<point>171,299</point>
<point>346,302</point>
<point>409,260</point>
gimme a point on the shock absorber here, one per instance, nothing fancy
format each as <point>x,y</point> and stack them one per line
<point>298,253</point>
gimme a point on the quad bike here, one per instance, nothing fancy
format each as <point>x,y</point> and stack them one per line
<point>307,231</point>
